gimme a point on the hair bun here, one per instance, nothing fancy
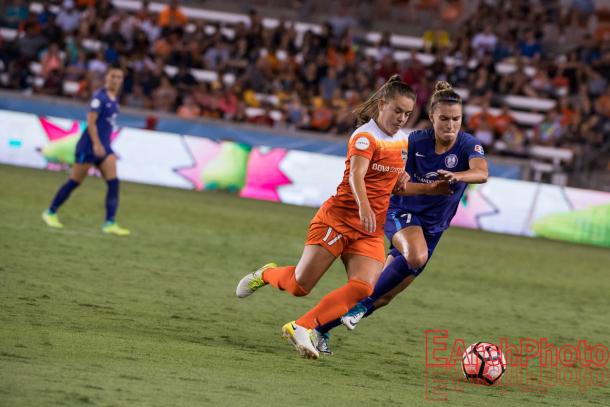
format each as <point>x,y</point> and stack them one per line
<point>394,78</point>
<point>441,86</point>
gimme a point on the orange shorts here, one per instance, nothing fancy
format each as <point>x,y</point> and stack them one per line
<point>339,238</point>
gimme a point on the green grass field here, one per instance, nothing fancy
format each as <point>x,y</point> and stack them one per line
<point>152,319</point>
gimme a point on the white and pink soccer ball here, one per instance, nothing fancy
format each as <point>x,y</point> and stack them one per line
<point>483,363</point>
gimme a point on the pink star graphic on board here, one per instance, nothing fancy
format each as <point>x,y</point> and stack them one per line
<point>263,175</point>
<point>55,132</point>
<point>202,151</point>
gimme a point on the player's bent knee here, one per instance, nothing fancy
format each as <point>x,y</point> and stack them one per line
<point>302,288</point>
<point>78,177</point>
<point>360,288</point>
<point>300,292</point>
<point>417,261</point>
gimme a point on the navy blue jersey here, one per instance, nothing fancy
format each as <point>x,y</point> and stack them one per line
<point>107,111</point>
<point>436,212</point>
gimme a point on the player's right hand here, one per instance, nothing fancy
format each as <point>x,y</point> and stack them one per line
<point>99,150</point>
<point>401,183</point>
<point>441,188</point>
<point>367,218</point>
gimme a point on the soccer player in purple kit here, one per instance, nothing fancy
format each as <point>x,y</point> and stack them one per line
<point>441,161</point>
<point>93,148</point>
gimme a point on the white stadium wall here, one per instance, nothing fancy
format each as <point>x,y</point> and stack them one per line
<point>297,177</point>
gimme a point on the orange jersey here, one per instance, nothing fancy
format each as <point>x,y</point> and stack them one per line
<point>386,164</point>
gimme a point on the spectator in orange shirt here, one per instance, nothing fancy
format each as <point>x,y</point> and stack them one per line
<point>346,49</point>
<point>165,45</point>
<point>452,11</point>
<point>171,16</point>
<point>503,121</point>
<point>481,118</point>
<point>482,124</point>
<point>189,109</point>
<point>321,116</point>
<point>567,112</point>
<point>602,104</point>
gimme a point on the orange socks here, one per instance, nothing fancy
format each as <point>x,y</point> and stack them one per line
<point>335,304</point>
<point>331,307</point>
<point>283,278</point>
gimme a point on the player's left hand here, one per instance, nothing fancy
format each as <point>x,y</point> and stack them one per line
<point>448,176</point>
<point>367,217</point>
<point>99,150</point>
<point>401,183</point>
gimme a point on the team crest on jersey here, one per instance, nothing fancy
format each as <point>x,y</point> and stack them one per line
<point>479,149</point>
<point>451,161</point>
<point>362,143</point>
<point>404,154</point>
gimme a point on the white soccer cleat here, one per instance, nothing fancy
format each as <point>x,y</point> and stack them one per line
<point>301,338</point>
<point>252,281</point>
<point>353,316</point>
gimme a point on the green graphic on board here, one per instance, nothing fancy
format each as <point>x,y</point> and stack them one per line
<point>61,151</point>
<point>228,169</point>
<point>591,225</point>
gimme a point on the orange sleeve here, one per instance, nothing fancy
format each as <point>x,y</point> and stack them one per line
<point>181,18</point>
<point>163,18</point>
<point>363,144</point>
<point>473,122</point>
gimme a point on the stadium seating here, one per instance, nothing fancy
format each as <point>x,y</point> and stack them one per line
<point>528,112</point>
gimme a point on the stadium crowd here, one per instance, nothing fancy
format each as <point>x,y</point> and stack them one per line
<point>272,76</point>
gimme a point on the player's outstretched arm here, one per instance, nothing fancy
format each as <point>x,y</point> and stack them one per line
<point>434,188</point>
<point>476,174</point>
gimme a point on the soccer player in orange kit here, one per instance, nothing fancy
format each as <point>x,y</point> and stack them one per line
<point>350,223</point>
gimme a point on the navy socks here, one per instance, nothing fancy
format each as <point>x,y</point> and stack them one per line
<point>112,199</point>
<point>391,276</point>
<point>63,194</point>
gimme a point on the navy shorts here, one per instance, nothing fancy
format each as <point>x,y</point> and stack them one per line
<point>398,219</point>
<point>86,156</point>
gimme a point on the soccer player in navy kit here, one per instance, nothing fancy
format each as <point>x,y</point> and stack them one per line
<point>441,162</point>
<point>93,148</point>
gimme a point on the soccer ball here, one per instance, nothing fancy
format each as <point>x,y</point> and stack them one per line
<point>483,363</point>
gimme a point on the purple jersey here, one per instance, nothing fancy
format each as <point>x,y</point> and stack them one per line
<point>436,212</point>
<point>107,111</point>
